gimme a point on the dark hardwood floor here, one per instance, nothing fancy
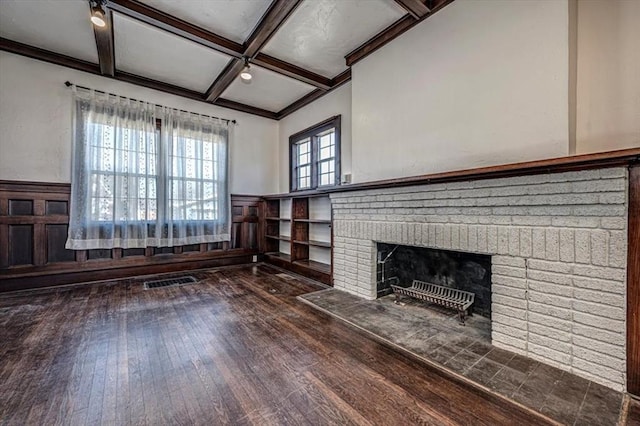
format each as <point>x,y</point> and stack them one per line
<point>235,348</point>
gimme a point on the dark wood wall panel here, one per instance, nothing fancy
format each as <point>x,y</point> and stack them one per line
<point>21,244</point>
<point>633,285</point>
<point>56,239</point>
<point>20,207</point>
<point>33,232</point>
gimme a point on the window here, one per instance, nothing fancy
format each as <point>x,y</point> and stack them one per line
<point>146,176</point>
<point>315,156</point>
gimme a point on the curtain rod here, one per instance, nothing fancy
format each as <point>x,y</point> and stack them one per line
<point>69,84</point>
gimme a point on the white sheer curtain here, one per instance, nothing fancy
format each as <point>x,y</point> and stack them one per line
<point>145,175</point>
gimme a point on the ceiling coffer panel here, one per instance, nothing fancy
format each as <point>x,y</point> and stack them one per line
<point>58,26</point>
<point>267,90</point>
<point>232,19</point>
<point>321,32</point>
<point>149,52</point>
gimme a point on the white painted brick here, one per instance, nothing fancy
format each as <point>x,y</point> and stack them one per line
<point>514,302</point>
<point>575,222</point>
<point>517,262</point>
<point>552,248</point>
<point>613,198</point>
<point>551,322</point>
<point>482,238</point>
<point>503,240</point>
<point>613,172</point>
<point>472,233</point>
<point>548,342</point>
<point>583,246</point>
<point>550,333</point>
<point>598,322</point>
<point>599,248</point>
<point>526,249</point>
<point>514,241</point>
<point>543,265</point>
<point>547,354</point>
<point>599,309</point>
<point>539,243</point>
<point>509,281</point>
<point>507,342</point>
<point>567,245</point>
<point>492,239</point>
<point>464,237</point>
<point>597,348</point>
<point>549,300</point>
<point>512,292</point>
<point>508,271</point>
<point>617,249</point>
<point>551,289</point>
<point>599,272</point>
<point>550,311</point>
<point>596,334</point>
<point>509,325</point>
<point>598,370</point>
<point>599,297</point>
<point>500,311</point>
<point>598,186</point>
<point>613,223</point>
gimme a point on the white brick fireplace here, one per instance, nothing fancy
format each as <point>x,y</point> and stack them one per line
<point>558,244</point>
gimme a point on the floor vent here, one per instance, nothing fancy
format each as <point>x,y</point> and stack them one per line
<point>169,282</point>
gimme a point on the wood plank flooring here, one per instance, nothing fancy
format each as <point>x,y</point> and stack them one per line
<point>235,348</point>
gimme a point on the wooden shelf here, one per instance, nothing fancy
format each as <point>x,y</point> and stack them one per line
<point>308,219</point>
<point>279,237</point>
<point>284,256</point>
<point>316,266</point>
<point>322,221</point>
<point>314,243</point>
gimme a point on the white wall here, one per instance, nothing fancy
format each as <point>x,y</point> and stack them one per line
<point>608,76</point>
<point>35,125</point>
<point>337,102</point>
<point>479,83</point>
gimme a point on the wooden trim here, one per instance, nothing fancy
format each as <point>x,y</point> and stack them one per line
<point>310,132</point>
<point>104,45</point>
<point>391,32</point>
<point>42,267</point>
<point>633,284</point>
<point>165,22</point>
<point>278,12</point>
<point>74,276</point>
<point>293,71</point>
<point>416,8</point>
<point>272,20</point>
<point>227,103</point>
<point>624,157</point>
<point>47,56</point>
<point>224,80</point>
<point>65,61</point>
<point>336,82</point>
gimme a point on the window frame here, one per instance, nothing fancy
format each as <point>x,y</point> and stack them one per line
<point>311,133</point>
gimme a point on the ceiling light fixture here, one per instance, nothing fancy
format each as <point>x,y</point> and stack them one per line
<point>97,14</point>
<point>245,75</point>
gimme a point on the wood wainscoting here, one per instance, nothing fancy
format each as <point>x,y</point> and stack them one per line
<point>34,220</point>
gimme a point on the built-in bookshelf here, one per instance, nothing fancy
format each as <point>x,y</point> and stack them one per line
<point>298,234</point>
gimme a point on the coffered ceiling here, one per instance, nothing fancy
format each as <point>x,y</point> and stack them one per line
<point>299,50</point>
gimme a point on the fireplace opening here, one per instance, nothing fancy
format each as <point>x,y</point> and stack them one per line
<point>400,265</point>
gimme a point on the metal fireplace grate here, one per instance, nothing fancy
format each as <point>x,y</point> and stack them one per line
<point>169,282</point>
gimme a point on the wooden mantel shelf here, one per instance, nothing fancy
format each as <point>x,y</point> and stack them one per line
<point>599,160</point>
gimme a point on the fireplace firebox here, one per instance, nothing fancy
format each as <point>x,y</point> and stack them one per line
<point>401,264</point>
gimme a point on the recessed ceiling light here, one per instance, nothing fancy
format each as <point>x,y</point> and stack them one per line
<point>97,16</point>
